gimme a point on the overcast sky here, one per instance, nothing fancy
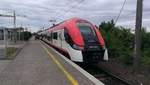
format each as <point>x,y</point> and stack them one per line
<point>39,12</point>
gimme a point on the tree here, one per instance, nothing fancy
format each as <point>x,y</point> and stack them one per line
<point>119,41</point>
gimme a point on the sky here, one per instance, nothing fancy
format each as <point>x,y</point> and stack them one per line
<point>36,14</point>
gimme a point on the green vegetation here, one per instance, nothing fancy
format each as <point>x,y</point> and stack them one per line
<point>10,51</point>
<point>145,47</point>
<point>24,35</point>
<point>120,43</point>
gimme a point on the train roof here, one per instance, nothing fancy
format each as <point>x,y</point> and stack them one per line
<point>66,22</point>
<point>71,26</point>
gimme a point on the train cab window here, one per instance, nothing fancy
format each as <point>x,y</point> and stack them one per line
<point>55,36</point>
<point>86,29</point>
<point>66,35</point>
<point>68,38</point>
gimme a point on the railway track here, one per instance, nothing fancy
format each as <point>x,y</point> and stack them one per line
<point>100,73</point>
<point>106,77</point>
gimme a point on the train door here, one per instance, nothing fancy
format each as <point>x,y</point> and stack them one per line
<point>49,38</point>
<point>63,42</point>
<point>55,38</point>
<point>59,40</point>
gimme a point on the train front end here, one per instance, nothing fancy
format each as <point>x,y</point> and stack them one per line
<point>94,45</point>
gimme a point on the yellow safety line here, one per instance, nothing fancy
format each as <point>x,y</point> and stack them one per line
<point>68,75</point>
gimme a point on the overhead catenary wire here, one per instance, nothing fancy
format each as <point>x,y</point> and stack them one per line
<point>59,14</point>
<point>73,7</point>
<point>117,18</point>
<point>69,8</point>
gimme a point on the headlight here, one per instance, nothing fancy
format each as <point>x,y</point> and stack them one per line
<point>77,47</point>
<point>104,47</point>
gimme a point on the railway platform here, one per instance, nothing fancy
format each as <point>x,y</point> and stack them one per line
<point>39,64</point>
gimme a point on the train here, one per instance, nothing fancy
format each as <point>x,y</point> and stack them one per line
<point>78,38</point>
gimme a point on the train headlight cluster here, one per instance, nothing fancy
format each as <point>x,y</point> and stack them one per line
<point>77,47</point>
<point>104,47</point>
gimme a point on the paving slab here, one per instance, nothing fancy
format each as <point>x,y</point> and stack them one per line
<point>3,64</point>
<point>33,66</point>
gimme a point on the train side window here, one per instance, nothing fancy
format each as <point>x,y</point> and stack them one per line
<point>66,35</point>
<point>60,36</point>
<point>49,38</point>
<point>55,35</point>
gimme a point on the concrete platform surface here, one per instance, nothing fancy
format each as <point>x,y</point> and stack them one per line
<point>3,64</point>
<point>33,66</point>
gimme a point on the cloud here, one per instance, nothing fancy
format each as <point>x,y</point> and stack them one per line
<point>39,12</point>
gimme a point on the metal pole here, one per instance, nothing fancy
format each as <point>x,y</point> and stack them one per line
<point>5,41</point>
<point>14,19</point>
<point>14,26</point>
<point>19,33</point>
<point>23,35</point>
<point>137,47</point>
<point>20,30</point>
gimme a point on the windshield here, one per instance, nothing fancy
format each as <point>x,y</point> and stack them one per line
<point>86,29</point>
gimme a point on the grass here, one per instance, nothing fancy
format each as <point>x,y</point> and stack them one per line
<point>10,52</point>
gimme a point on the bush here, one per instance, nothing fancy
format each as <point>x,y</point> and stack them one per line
<point>117,39</point>
<point>120,43</point>
<point>145,60</point>
<point>126,57</point>
<point>25,35</point>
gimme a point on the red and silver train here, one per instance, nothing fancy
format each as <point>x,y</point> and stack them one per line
<point>78,38</point>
